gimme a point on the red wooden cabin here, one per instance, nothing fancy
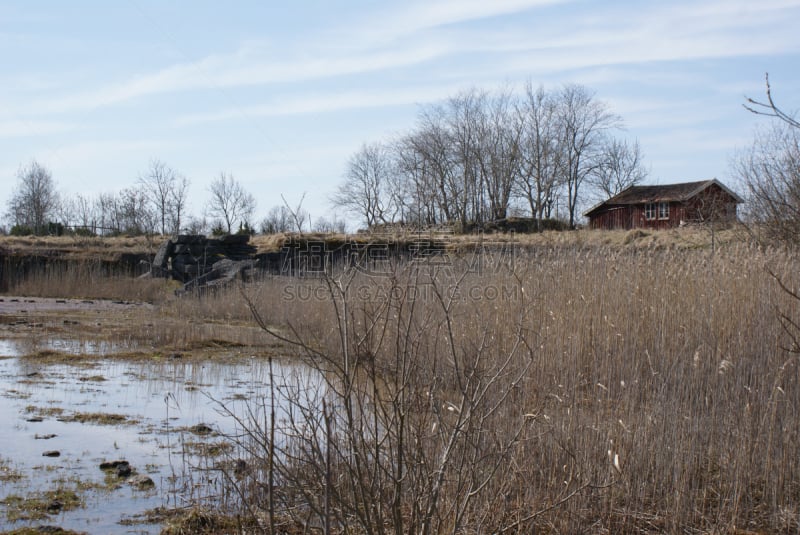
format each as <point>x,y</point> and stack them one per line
<point>665,206</point>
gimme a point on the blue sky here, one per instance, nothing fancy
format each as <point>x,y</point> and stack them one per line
<point>280,94</point>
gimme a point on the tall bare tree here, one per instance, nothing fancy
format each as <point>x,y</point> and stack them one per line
<point>230,201</point>
<point>499,152</point>
<point>166,191</point>
<point>472,157</point>
<point>619,167</point>
<point>414,184</point>
<point>770,169</point>
<point>83,213</point>
<point>366,188</point>
<point>433,163</point>
<point>463,115</point>
<point>583,121</point>
<point>35,200</point>
<point>538,178</point>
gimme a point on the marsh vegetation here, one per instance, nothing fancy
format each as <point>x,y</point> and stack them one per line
<point>562,389</point>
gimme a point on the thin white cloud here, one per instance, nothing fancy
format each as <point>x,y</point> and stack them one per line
<point>325,103</point>
<point>238,70</point>
<point>22,128</point>
<point>659,35</point>
<point>252,66</point>
<point>414,17</point>
<point>602,36</point>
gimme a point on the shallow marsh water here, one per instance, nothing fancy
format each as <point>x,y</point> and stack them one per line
<point>161,399</point>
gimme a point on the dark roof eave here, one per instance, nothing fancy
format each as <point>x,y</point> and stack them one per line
<point>665,193</point>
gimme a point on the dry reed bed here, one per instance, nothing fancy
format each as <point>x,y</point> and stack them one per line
<point>89,280</point>
<point>656,393</point>
<point>632,390</point>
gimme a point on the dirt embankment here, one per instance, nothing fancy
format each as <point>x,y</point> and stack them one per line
<point>21,256</point>
<point>17,265</point>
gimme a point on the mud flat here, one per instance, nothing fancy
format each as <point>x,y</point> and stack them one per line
<point>95,441</point>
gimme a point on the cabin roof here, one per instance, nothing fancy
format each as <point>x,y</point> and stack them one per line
<point>681,192</point>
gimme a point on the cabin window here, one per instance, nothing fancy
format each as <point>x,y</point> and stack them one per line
<point>650,211</point>
<point>663,210</point>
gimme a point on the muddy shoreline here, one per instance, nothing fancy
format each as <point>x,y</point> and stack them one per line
<point>75,399</point>
<point>11,304</point>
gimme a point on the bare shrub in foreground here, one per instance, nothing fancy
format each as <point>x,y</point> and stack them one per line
<point>615,391</point>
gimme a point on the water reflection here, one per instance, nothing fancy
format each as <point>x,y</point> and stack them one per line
<point>72,346</point>
<point>164,397</point>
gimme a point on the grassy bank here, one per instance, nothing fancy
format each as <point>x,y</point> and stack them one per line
<point>95,248</point>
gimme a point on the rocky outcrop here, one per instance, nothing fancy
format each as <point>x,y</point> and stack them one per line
<point>203,263</point>
<point>198,261</point>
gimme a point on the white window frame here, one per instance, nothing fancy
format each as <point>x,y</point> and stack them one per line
<point>663,210</point>
<point>650,211</point>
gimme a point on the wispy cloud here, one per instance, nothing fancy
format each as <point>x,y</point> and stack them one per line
<point>325,103</point>
<point>22,128</point>
<point>254,66</point>
<point>397,39</point>
<point>239,70</point>
<point>660,35</point>
<point>411,18</point>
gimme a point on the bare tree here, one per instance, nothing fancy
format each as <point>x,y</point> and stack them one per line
<point>277,220</point>
<point>166,192</point>
<point>414,184</point>
<point>134,213</point>
<point>619,167</point>
<point>770,170</point>
<point>84,213</point>
<point>35,199</point>
<point>538,176</point>
<point>499,153</point>
<point>463,115</point>
<point>230,201</point>
<point>366,188</point>
<point>582,123</point>
<point>105,208</point>
<point>298,214</point>
<point>472,156</point>
<point>329,226</point>
<point>434,171</point>
<point>180,194</point>
<point>769,108</point>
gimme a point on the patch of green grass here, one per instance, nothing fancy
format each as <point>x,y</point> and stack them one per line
<point>92,378</point>
<point>38,506</point>
<point>44,411</point>
<point>213,449</point>
<point>200,521</point>
<point>100,418</point>
<point>8,473</point>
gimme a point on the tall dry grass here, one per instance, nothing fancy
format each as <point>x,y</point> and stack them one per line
<point>90,279</point>
<point>630,390</point>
